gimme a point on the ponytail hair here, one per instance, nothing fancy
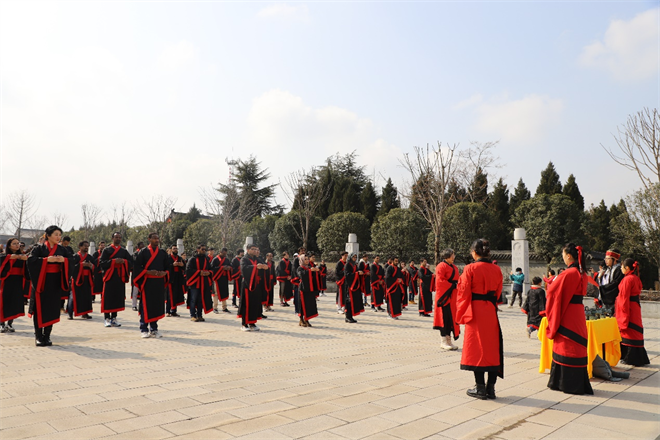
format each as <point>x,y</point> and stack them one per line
<point>631,264</point>
<point>481,247</point>
<point>577,254</point>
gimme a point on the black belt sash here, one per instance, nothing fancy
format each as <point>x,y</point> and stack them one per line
<point>632,342</point>
<point>490,297</point>
<point>576,299</point>
<point>637,328</point>
<point>570,334</point>
<point>635,299</point>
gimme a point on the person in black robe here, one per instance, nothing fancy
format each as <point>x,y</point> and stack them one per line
<point>66,244</point>
<point>425,279</point>
<point>534,306</point>
<point>316,275</point>
<point>152,268</point>
<point>199,277</point>
<point>341,282</point>
<point>395,288</point>
<point>612,277</point>
<point>236,276</point>
<point>262,274</point>
<point>353,291</point>
<point>222,270</point>
<point>323,274</point>
<point>269,281</point>
<point>306,304</point>
<point>117,264</point>
<point>176,286</point>
<point>249,309</point>
<point>413,285</point>
<point>80,299</point>
<point>363,266</point>
<point>13,278</point>
<point>377,282</point>
<point>48,265</point>
<point>284,277</point>
<point>98,271</point>
<point>134,290</point>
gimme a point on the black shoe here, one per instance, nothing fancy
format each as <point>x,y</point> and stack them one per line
<point>48,342</point>
<point>70,317</point>
<point>479,392</point>
<point>39,343</point>
<point>351,320</point>
<point>226,310</point>
<point>286,305</point>
<point>135,309</point>
<point>490,391</point>
<point>86,316</point>
<point>264,316</point>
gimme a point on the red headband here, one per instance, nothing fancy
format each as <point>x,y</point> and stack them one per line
<point>579,251</point>
<point>636,267</point>
<point>613,255</point>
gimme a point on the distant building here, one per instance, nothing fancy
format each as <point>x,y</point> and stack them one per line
<point>28,236</point>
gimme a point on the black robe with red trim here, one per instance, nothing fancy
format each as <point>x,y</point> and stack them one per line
<point>176,286</point>
<point>425,296</point>
<point>323,276</point>
<point>97,289</point>
<point>195,280</point>
<point>306,305</point>
<point>354,288</point>
<point>283,273</point>
<point>628,312</point>
<point>236,277</point>
<point>269,283</point>
<point>567,327</point>
<point>152,287</point>
<point>50,283</point>
<point>262,274</point>
<point>533,306</point>
<point>479,290</point>
<point>395,289</point>
<point>405,276</point>
<point>609,292</point>
<point>341,283</point>
<point>364,267</point>
<point>250,305</point>
<point>444,315</point>
<point>115,277</point>
<point>82,284</point>
<point>412,279</point>
<point>13,279</point>
<point>221,274</point>
<point>316,280</point>
<point>376,277</point>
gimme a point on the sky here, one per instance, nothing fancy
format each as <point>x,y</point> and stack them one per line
<point>112,102</point>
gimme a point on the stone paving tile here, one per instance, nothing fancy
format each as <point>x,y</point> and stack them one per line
<point>363,428</point>
<point>307,427</point>
<point>28,431</point>
<point>552,417</point>
<point>261,435</point>
<point>305,412</point>
<point>419,429</point>
<point>13,411</point>
<point>368,410</point>
<point>151,433</point>
<point>244,427</point>
<point>110,405</point>
<point>88,432</point>
<point>190,425</point>
<point>579,431</point>
<point>32,418</point>
<point>142,422</point>
<point>67,423</point>
<point>254,411</point>
<point>65,403</point>
<point>471,429</point>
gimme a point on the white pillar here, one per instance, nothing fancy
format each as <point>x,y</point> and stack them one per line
<point>352,247</point>
<point>248,242</point>
<point>179,244</point>
<point>129,247</point>
<point>92,247</point>
<point>520,254</point>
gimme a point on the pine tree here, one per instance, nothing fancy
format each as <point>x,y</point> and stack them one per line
<point>549,183</point>
<point>478,191</point>
<point>571,190</point>
<point>369,201</point>
<point>389,198</point>
<point>597,227</point>
<point>498,205</point>
<point>520,194</point>
<point>247,181</point>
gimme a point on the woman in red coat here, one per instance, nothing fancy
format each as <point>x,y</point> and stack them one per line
<point>444,317</point>
<point>567,325</point>
<point>628,312</point>
<point>479,291</point>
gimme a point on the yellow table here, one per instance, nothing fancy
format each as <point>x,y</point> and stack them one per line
<point>602,335</point>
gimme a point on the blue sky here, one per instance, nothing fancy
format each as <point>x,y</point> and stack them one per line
<point>163,92</point>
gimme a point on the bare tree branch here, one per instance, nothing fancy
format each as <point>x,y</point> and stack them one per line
<point>91,215</point>
<point>20,208</point>
<point>60,220</point>
<point>155,211</point>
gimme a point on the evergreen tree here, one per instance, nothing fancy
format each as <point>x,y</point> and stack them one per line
<point>193,214</point>
<point>369,202</point>
<point>247,180</point>
<point>389,198</point>
<point>597,227</point>
<point>478,190</point>
<point>550,183</point>
<point>345,180</point>
<point>498,205</point>
<point>455,192</point>
<point>571,190</point>
<point>520,194</point>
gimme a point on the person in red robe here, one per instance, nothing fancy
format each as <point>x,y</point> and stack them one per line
<point>444,316</point>
<point>479,290</point>
<point>567,325</point>
<point>628,312</point>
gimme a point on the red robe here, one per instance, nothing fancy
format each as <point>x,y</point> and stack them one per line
<point>567,325</point>
<point>446,279</point>
<point>479,290</point>
<point>628,311</point>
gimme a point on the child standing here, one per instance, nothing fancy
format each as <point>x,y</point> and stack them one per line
<point>534,306</point>
<point>518,278</point>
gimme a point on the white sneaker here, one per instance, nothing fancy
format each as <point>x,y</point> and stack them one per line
<point>114,323</point>
<point>340,311</point>
<point>245,329</point>
<point>108,323</point>
<point>146,335</point>
<point>445,343</point>
<point>254,328</point>
<point>155,334</point>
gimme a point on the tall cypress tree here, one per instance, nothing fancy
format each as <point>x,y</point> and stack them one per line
<point>479,187</point>
<point>498,204</point>
<point>571,190</point>
<point>520,194</point>
<point>597,227</point>
<point>389,198</point>
<point>549,183</point>
<point>369,201</point>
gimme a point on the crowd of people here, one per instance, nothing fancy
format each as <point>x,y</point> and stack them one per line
<point>50,273</point>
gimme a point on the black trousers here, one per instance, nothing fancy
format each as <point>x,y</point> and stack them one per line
<point>479,377</point>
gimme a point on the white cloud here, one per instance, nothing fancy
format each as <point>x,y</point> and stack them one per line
<point>472,100</point>
<point>629,49</point>
<point>285,12</point>
<point>515,121</point>
<point>179,55</point>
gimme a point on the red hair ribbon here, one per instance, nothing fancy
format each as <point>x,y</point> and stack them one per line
<point>579,251</point>
<point>636,267</point>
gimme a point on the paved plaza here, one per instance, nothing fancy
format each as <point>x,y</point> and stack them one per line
<point>378,379</point>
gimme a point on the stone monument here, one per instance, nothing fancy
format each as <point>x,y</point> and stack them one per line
<point>352,247</point>
<point>92,247</point>
<point>248,242</point>
<point>179,244</point>
<point>129,247</point>
<point>520,254</point>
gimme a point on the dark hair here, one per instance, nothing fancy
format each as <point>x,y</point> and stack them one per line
<point>199,246</point>
<point>101,242</point>
<point>50,230</point>
<point>174,246</point>
<point>343,253</point>
<point>602,263</point>
<point>630,264</point>
<point>481,247</point>
<point>117,233</point>
<point>252,246</point>
<point>66,238</point>
<point>560,271</point>
<point>151,234</point>
<point>140,244</point>
<point>223,250</point>
<point>572,250</point>
<point>551,271</point>
<point>536,280</point>
<point>238,251</point>
<point>82,243</point>
<point>7,248</point>
<point>447,253</point>
<point>518,269</point>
